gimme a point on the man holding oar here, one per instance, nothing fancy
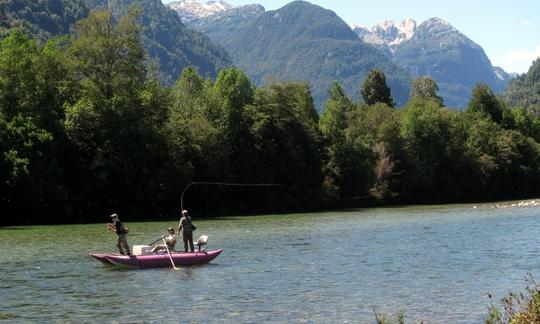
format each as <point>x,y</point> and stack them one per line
<point>121,232</point>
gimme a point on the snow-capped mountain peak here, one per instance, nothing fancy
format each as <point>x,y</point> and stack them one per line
<point>191,9</point>
<point>390,33</point>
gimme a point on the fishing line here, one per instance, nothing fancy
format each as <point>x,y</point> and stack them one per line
<point>225,184</point>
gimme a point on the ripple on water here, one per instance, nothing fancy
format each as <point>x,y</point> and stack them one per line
<point>436,264</point>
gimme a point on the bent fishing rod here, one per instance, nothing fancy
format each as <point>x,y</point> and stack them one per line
<point>231,184</point>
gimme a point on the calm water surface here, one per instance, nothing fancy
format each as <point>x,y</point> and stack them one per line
<point>437,264</point>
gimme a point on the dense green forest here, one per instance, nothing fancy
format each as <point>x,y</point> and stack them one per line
<point>524,91</point>
<point>165,38</point>
<point>87,128</point>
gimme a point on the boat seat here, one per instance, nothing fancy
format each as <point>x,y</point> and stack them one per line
<point>203,240</point>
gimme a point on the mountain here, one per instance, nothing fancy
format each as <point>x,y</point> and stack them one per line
<point>387,32</point>
<point>190,10</point>
<point>304,42</point>
<point>438,50</point>
<point>221,25</point>
<point>502,75</point>
<point>524,90</point>
<point>167,40</point>
<point>42,19</point>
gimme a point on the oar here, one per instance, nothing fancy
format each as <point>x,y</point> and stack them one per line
<point>170,256</point>
<point>159,239</point>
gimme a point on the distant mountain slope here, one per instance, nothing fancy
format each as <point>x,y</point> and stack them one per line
<point>166,39</point>
<point>436,49</point>
<point>42,19</point>
<point>169,41</point>
<point>524,91</point>
<point>219,26</point>
<point>302,41</point>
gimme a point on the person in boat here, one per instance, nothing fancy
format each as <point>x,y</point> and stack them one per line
<point>170,241</point>
<point>121,233</point>
<point>187,228</point>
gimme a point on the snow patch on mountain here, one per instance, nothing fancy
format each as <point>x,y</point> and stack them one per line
<point>191,9</point>
<point>387,32</point>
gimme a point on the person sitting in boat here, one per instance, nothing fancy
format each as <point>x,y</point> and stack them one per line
<point>121,233</point>
<point>187,228</point>
<point>170,241</point>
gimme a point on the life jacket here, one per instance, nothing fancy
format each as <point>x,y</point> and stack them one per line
<point>187,226</point>
<point>120,229</point>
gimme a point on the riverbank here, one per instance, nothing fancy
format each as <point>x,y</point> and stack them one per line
<point>104,218</point>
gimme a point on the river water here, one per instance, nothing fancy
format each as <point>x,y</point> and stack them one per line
<point>435,263</point>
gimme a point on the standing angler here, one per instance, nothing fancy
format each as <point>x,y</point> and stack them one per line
<point>121,232</point>
<point>187,230</point>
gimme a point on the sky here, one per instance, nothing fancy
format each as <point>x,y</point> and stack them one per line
<point>507,30</point>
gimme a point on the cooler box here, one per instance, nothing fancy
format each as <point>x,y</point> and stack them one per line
<point>141,249</point>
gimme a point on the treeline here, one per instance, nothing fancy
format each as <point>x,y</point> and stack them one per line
<point>87,129</point>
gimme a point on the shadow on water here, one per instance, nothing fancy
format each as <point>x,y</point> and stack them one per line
<point>8,316</point>
<point>186,269</point>
<point>14,228</point>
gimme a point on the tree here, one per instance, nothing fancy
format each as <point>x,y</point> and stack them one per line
<point>345,159</point>
<point>426,88</point>
<point>485,102</point>
<point>119,150</point>
<point>235,91</point>
<point>286,147</point>
<point>108,56</point>
<point>524,90</point>
<point>374,89</point>
<point>334,118</point>
<point>377,129</point>
<point>32,93</point>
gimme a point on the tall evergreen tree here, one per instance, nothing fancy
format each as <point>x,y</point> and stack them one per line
<point>485,102</point>
<point>374,89</point>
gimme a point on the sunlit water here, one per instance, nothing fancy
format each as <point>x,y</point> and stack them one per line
<point>437,264</point>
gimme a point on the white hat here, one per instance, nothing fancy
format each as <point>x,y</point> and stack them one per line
<point>184,212</point>
<point>114,216</point>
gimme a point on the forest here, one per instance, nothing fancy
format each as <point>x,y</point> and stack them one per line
<point>88,127</point>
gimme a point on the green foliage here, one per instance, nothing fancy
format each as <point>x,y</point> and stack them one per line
<point>425,88</point>
<point>486,103</point>
<point>377,129</point>
<point>526,122</point>
<point>87,126</point>
<point>107,55</point>
<point>286,145</point>
<point>167,40</point>
<point>523,308</point>
<point>375,90</point>
<point>42,19</point>
<point>345,165</point>
<point>385,319</point>
<point>235,89</point>
<point>524,91</point>
<point>163,35</point>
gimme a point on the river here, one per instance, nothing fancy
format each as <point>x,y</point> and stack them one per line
<point>435,263</point>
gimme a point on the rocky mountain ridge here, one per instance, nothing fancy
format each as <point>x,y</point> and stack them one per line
<point>190,10</point>
<point>387,32</point>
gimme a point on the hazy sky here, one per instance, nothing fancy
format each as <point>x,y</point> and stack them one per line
<point>507,30</point>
